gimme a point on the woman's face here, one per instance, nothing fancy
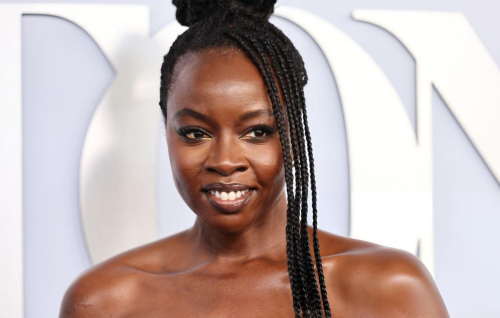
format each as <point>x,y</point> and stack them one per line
<point>223,141</point>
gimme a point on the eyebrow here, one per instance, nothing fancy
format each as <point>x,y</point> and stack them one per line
<point>188,112</point>
<point>257,113</point>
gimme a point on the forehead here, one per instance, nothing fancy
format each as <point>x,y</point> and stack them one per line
<point>214,79</point>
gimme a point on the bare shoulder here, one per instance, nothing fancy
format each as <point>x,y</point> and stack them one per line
<point>110,288</point>
<point>378,280</point>
<point>99,292</point>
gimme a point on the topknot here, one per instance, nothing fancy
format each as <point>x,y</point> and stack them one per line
<point>191,11</point>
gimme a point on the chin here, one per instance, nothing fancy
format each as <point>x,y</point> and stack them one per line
<point>227,223</point>
<point>225,216</point>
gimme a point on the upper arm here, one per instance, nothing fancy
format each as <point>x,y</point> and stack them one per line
<point>405,287</point>
<point>100,293</point>
<point>386,282</point>
<point>79,301</point>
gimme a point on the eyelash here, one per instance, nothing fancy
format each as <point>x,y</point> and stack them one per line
<point>183,131</point>
<point>267,130</point>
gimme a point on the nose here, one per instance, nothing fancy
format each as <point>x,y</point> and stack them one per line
<point>226,156</point>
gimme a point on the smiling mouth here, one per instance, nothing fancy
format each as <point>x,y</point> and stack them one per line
<point>228,198</point>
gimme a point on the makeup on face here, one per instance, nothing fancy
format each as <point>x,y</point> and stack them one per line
<point>223,140</point>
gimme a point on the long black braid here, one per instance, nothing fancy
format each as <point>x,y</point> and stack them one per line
<point>242,25</point>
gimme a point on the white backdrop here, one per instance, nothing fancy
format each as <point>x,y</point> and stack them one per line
<point>64,75</point>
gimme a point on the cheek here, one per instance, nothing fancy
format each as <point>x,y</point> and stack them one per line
<point>186,163</point>
<point>267,163</point>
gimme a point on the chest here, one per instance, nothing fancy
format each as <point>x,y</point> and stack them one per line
<point>244,293</point>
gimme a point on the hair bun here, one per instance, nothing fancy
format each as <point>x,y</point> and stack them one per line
<point>191,11</point>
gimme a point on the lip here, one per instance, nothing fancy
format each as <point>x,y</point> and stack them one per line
<point>228,206</point>
<point>226,187</point>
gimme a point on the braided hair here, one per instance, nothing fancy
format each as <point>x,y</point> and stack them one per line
<point>229,25</point>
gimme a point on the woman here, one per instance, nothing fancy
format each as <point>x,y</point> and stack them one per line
<point>236,125</point>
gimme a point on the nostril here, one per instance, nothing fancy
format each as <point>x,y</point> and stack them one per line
<point>226,162</point>
<point>211,169</point>
<point>226,169</point>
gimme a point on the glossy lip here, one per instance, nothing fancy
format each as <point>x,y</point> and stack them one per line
<point>228,206</point>
<point>226,187</point>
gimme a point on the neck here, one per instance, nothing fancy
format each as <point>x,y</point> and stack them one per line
<point>263,238</point>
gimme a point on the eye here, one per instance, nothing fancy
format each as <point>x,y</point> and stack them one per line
<point>193,133</point>
<point>259,132</point>
<point>196,134</point>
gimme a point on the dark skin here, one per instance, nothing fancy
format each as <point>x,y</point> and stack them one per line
<point>233,264</point>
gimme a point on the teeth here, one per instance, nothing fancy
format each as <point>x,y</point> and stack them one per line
<point>224,196</point>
